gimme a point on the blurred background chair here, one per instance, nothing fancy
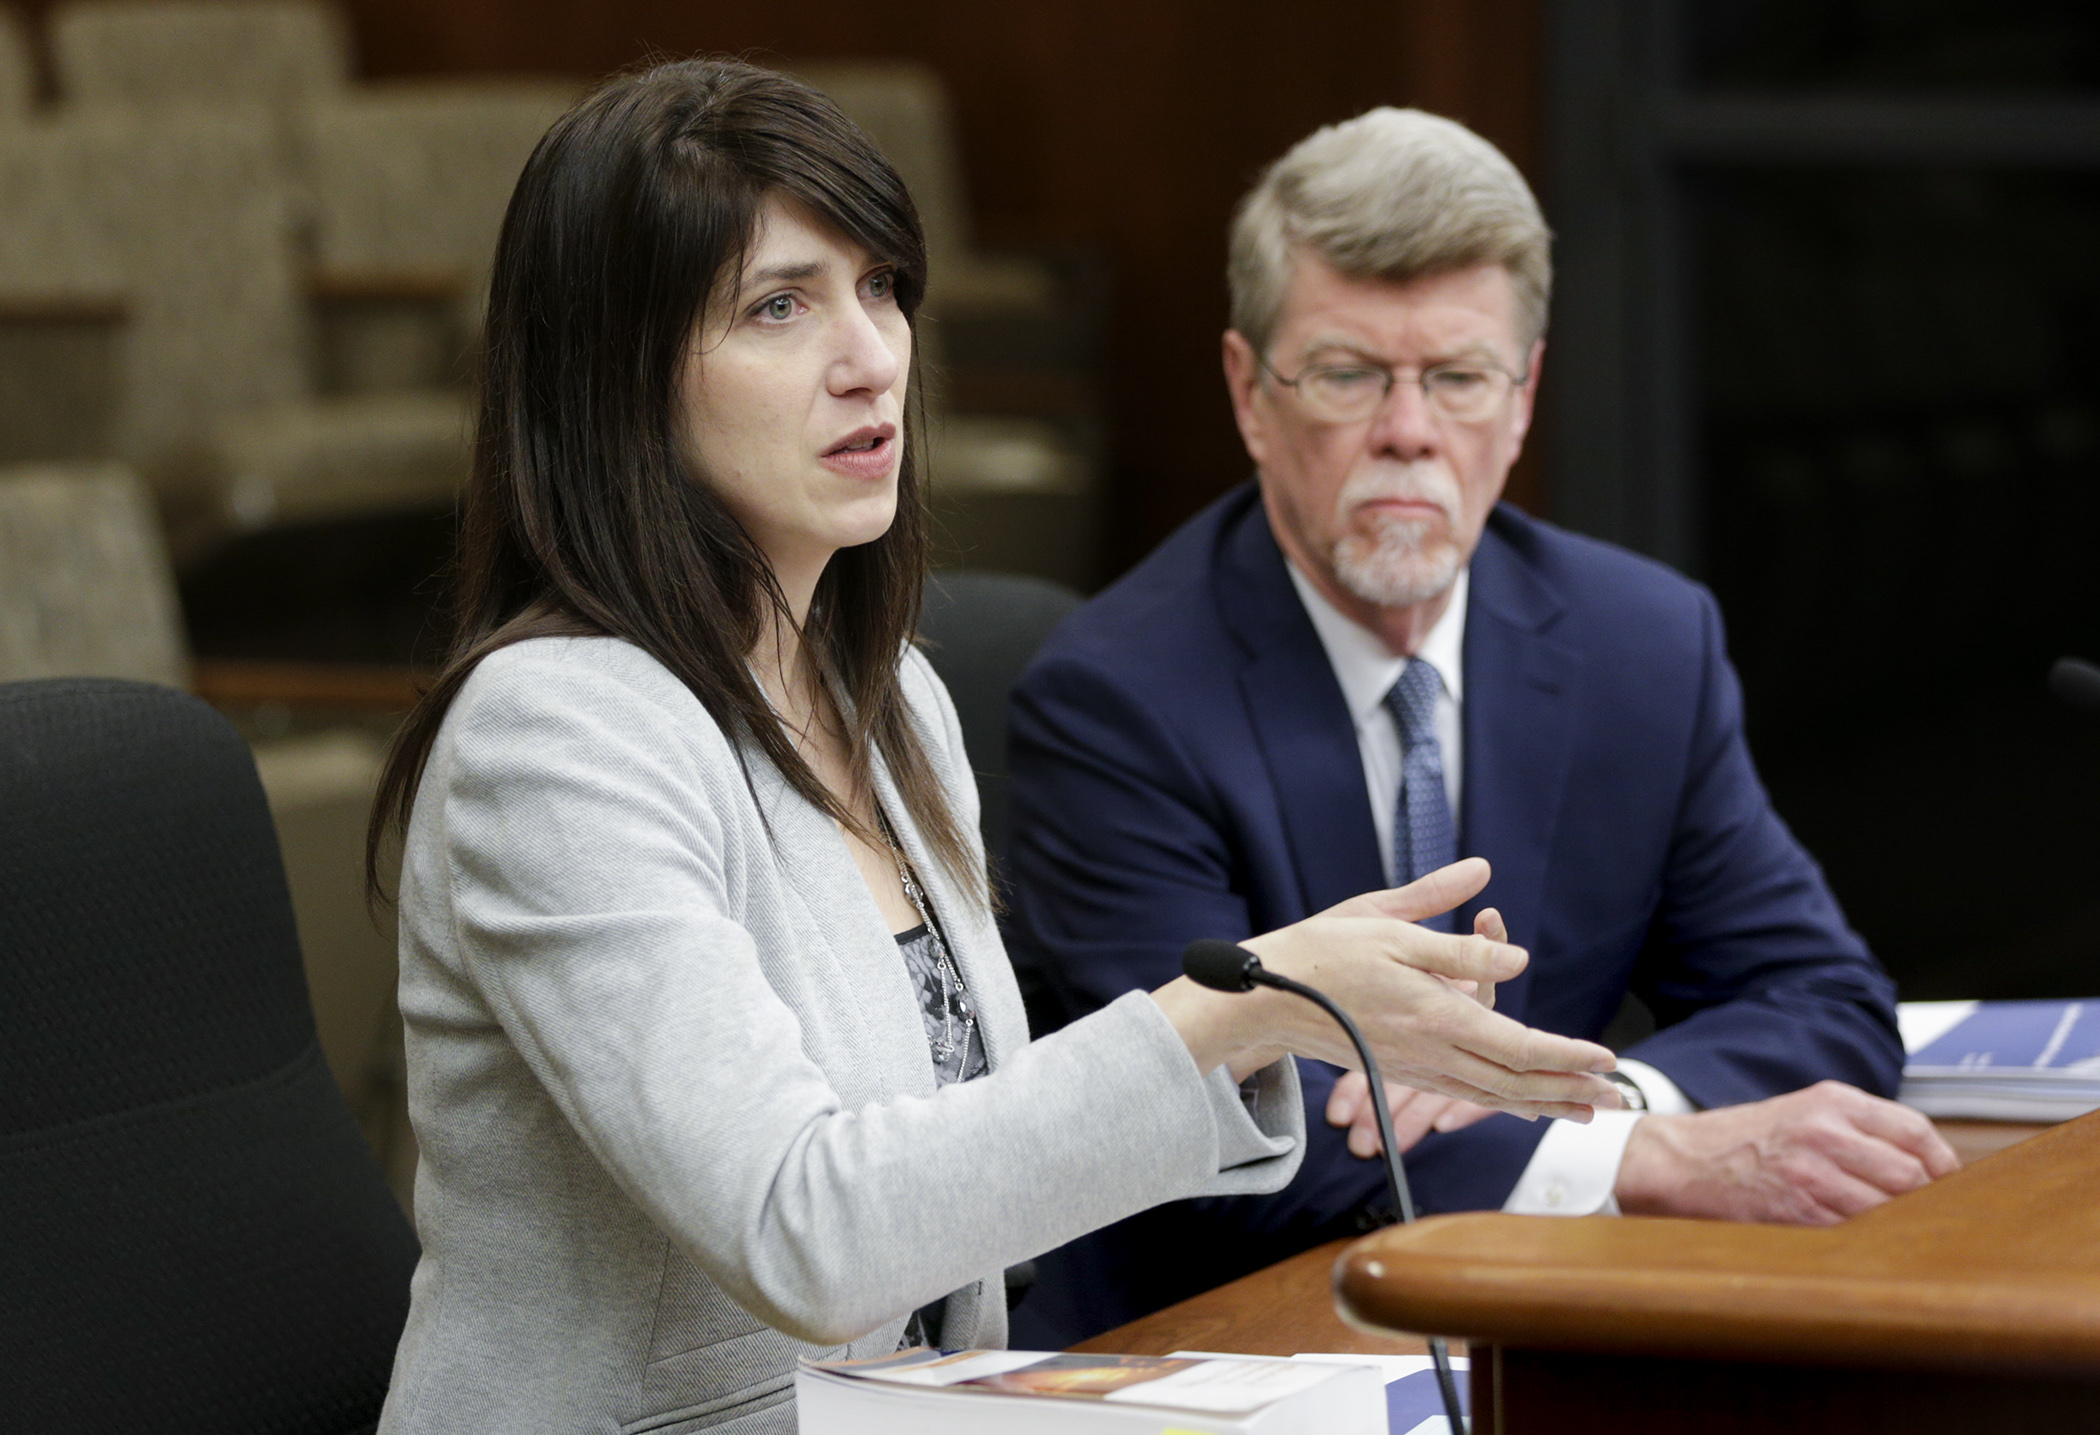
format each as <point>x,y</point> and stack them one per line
<point>278,53</point>
<point>264,446</point>
<point>188,285</point>
<point>150,263</point>
<point>905,108</point>
<point>191,209</point>
<point>259,283</point>
<point>269,57</point>
<point>407,185</point>
<point>86,590</point>
<point>410,182</point>
<point>65,292</point>
<point>17,69</point>
<point>197,1240</point>
<point>1016,485</point>
<point>980,631</point>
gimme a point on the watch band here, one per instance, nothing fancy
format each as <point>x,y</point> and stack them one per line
<point>1629,1090</point>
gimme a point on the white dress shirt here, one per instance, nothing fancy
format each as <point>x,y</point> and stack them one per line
<point>1575,1167</point>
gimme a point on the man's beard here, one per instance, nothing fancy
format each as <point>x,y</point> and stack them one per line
<point>1393,562</point>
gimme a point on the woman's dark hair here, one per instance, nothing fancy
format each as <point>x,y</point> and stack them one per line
<point>581,516</point>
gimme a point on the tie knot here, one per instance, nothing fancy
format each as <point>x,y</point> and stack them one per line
<point>1413,700</point>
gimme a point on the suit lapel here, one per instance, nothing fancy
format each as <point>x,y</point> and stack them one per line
<point>1522,690</point>
<point>1300,719</point>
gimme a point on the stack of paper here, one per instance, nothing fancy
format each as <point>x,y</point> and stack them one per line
<point>2002,1061</point>
<point>1019,1392</point>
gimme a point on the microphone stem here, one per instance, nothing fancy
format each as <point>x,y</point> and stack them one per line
<point>1396,1177</point>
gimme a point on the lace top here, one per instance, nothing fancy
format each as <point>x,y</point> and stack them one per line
<point>957,1051</point>
<point>944,1007</point>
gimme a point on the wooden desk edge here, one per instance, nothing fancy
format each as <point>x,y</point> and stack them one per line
<point>1293,1305</point>
<point>1730,1316</point>
<point>1700,1289</point>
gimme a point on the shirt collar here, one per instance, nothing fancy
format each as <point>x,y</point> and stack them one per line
<point>1362,663</point>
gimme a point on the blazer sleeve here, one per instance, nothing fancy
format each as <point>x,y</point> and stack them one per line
<point>591,893</point>
<point>1757,983</point>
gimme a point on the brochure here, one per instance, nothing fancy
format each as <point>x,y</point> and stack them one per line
<point>2002,1061</point>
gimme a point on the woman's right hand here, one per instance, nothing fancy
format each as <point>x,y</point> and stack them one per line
<point>1416,994</point>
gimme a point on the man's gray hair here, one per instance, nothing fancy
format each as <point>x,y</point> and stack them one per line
<point>1395,195</point>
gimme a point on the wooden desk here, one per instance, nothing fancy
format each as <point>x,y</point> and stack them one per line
<point>1289,1307</point>
<point>1972,1305</point>
<point>1974,1140</point>
<point>1283,1310</point>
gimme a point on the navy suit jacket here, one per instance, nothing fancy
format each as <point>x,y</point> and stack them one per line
<point>1183,765</point>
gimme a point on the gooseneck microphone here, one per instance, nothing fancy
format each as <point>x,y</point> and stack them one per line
<point>1227,967</point>
<point>2076,682</point>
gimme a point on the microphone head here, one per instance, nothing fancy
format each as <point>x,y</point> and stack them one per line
<point>1220,965</point>
<point>2077,682</point>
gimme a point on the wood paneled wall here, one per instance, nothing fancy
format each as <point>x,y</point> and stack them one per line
<point>1131,124</point>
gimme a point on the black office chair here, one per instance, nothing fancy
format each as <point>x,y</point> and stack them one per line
<point>982,629</point>
<point>193,1236</point>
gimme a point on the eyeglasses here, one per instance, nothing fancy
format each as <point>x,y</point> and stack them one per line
<point>1464,392</point>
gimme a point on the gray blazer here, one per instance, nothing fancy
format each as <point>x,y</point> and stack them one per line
<point>678,1118</point>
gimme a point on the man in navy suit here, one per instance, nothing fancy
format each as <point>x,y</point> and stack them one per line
<point>1360,667</point>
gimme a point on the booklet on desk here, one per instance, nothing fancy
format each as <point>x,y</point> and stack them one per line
<point>1020,1392</point>
<point>1413,1403</point>
<point>2001,1061</point>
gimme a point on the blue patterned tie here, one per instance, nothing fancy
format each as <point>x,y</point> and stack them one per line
<point>1424,837</point>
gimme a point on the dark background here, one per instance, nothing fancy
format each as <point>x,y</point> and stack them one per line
<point>1825,341</point>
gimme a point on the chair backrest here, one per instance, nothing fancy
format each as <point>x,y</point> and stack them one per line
<point>981,631</point>
<point>151,52</point>
<point>904,108</point>
<point>197,1239</point>
<point>412,178</point>
<point>57,245</point>
<point>85,587</point>
<point>86,591</point>
<point>185,217</point>
<point>17,71</point>
<point>64,294</point>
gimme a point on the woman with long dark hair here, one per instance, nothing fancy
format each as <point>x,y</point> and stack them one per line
<point>714,1056</point>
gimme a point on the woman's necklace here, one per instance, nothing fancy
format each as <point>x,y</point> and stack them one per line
<point>954,995</point>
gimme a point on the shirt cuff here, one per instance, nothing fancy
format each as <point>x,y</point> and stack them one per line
<point>1575,1168</point>
<point>1664,1097</point>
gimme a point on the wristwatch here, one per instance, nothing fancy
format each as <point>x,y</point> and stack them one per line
<point>1629,1090</point>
